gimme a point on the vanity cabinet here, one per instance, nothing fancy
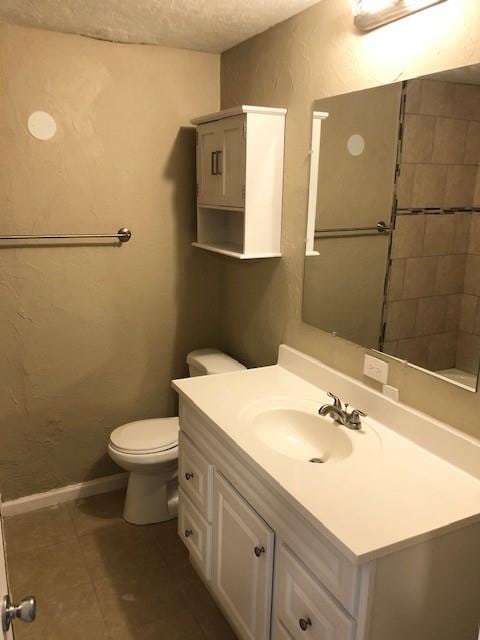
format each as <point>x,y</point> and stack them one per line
<point>240,181</point>
<point>276,574</point>
<point>264,588</point>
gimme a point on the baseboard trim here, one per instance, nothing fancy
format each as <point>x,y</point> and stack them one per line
<point>64,494</point>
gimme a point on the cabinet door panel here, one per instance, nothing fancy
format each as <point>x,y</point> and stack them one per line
<point>242,562</point>
<point>232,162</point>
<point>209,182</point>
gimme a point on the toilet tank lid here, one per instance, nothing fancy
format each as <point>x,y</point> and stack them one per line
<point>213,361</point>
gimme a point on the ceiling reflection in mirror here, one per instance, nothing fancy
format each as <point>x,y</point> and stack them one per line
<point>393,233</point>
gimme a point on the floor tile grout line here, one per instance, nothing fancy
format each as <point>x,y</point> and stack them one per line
<point>100,610</point>
<point>92,581</point>
<point>72,519</point>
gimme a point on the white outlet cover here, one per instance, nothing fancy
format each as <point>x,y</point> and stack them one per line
<point>41,125</point>
<point>376,369</point>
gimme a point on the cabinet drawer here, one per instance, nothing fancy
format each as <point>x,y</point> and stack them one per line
<point>304,606</point>
<point>196,534</point>
<point>195,476</point>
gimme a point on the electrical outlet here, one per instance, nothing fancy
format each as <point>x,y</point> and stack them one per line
<point>376,369</point>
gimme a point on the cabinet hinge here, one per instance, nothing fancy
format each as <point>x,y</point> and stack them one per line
<point>243,192</point>
<point>197,189</point>
<point>244,129</point>
<point>196,137</point>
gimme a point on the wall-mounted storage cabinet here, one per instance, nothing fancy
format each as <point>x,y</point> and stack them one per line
<point>240,181</point>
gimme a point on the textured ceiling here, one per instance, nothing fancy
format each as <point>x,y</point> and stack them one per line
<point>205,25</point>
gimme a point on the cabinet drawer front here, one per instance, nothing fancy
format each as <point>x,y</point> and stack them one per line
<point>242,562</point>
<point>304,606</point>
<point>195,476</point>
<point>196,534</point>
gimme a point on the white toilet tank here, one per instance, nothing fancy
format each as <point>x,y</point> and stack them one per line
<point>204,362</point>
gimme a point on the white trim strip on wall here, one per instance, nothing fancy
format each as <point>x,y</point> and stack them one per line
<point>64,494</point>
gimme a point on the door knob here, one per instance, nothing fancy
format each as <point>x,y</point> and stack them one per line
<point>259,550</point>
<point>25,611</point>
<point>188,533</point>
<point>189,475</point>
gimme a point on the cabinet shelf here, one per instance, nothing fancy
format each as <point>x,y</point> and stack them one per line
<point>230,249</point>
<point>240,181</point>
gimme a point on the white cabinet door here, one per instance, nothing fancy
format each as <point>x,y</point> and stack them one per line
<point>243,549</point>
<point>232,162</point>
<point>209,180</point>
<point>221,152</point>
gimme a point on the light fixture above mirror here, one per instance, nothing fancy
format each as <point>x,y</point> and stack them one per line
<point>369,14</point>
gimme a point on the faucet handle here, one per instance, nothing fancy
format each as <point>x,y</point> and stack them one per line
<point>336,400</point>
<point>353,418</point>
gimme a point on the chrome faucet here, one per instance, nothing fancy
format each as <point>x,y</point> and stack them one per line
<point>351,420</point>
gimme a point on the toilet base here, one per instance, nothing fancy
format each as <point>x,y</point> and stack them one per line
<point>150,498</point>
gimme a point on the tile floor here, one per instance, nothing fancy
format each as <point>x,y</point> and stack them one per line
<point>98,578</point>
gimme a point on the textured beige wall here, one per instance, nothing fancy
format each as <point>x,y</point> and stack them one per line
<point>90,337</point>
<point>314,55</point>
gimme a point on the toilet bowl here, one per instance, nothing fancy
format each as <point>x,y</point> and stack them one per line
<point>148,450</point>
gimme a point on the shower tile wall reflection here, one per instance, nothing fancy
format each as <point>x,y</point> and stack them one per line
<point>433,311</point>
<point>441,146</point>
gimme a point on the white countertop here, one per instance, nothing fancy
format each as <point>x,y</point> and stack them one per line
<point>395,494</point>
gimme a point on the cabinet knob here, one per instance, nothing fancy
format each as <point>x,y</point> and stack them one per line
<point>188,533</point>
<point>259,550</point>
<point>304,623</point>
<point>189,475</point>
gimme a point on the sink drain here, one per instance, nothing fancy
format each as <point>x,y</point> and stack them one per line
<point>316,460</point>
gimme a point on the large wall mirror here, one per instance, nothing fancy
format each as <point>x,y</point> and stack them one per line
<point>393,232</point>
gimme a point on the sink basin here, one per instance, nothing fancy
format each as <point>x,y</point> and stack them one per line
<point>301,435</point>
<point>290,426</point>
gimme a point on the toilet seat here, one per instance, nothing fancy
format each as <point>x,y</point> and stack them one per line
<point>146,437</point>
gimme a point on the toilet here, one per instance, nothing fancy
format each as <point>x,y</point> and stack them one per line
<point>148,450</point>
